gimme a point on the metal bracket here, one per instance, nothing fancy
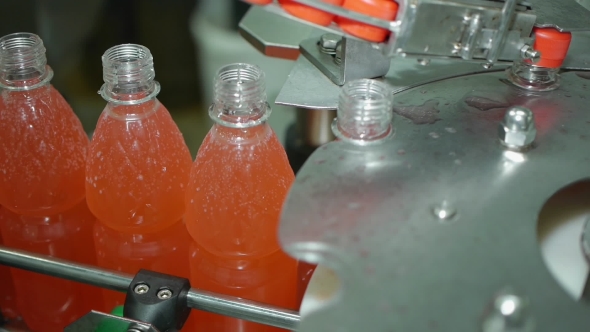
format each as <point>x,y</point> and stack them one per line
<point>159,299</point>
<point>98,321</point>
<point>356,59</point>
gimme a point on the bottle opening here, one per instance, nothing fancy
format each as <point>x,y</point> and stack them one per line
<point>22,61</point>
<point>128,73</point>
<point>239,96</point>
<point>364,112</point>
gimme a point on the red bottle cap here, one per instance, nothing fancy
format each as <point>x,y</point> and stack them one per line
<point>382,9</point>
<point>308,13</point>
<point>259,2</point>
<point>553,46</point>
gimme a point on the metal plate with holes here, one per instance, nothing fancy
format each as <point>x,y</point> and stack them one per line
<point>104,322</point>
<point>373,213</point>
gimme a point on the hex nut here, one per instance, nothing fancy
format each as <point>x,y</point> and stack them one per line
<point>518,129</point>
<point>516,139</point>
<point>329,42</point>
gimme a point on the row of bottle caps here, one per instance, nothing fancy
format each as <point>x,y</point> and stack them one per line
<point>381,9</point>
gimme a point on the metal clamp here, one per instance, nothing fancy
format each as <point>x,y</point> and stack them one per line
<point>347,59</point>
<point>159,299</point>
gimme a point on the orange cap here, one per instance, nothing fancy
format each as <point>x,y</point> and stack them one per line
<point>259,2</point>
<point>383,9</point>
<point>308,13</point>
<point>553,46</point>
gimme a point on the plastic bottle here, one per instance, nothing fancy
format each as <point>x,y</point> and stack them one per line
<point>237,186</point>
<point>136,174</point>
<point>42,155</point>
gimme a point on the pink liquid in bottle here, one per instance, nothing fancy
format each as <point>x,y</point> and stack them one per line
<point>42,155</point>
<point>238,183</point>
<point>136,174</point>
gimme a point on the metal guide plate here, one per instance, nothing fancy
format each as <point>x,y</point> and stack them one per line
<point>307,87</point>
<point>367,212</point>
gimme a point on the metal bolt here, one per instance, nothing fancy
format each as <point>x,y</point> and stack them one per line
<point>508,313</point>
<point>164,294</point>
<point>488,65</point>
<point>338,55</point>
<point>141,288</point>
<point>424,62</point>
<point>529,53</point>
<point>444,211</point>
<point>329,42</point>
<point>517,130</point>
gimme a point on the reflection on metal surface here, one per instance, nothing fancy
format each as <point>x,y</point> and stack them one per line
<point>508,313</point>
<point>366,211</point>
<point>358,59</point>
<point>565,15</point>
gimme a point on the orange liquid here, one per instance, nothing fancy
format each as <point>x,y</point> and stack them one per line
<point>47,303</point>
<point>269,279</point>
<point>238,183</point>
<point>164,252</point>
<point>137,169</point>
<point>136,175</point>
<point>42,152</point>
<point>7,298</point>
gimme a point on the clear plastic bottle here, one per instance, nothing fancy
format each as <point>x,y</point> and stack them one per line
<point>237,187</point>
<point>364,112</point>
<point>42,156</point>
<point>137,170</point>
<point>364,117</point>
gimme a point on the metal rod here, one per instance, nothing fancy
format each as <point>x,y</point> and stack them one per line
<point>117,281</point>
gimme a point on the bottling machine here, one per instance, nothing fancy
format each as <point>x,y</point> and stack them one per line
<point>434,229</point>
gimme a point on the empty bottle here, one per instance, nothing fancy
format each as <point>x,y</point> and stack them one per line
<point>42,156</point>
<point>237,186</point>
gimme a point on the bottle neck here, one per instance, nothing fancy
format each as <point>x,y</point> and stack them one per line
<point>23,64</point>
<point>239,97</point>
<point>530,77</point>
<point>364,112</point>
<point>128,74</point>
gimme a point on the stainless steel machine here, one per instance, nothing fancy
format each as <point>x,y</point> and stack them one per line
<point>435,229</point>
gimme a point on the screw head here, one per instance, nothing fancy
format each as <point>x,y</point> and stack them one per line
<point>141,288</point>
<point>329,42</point>
<point>424,62</point>
<point>509,312</point>
<point>529,53</point>
<point>164,294</point>
<point>444,211</point>
<point>517,130</point>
